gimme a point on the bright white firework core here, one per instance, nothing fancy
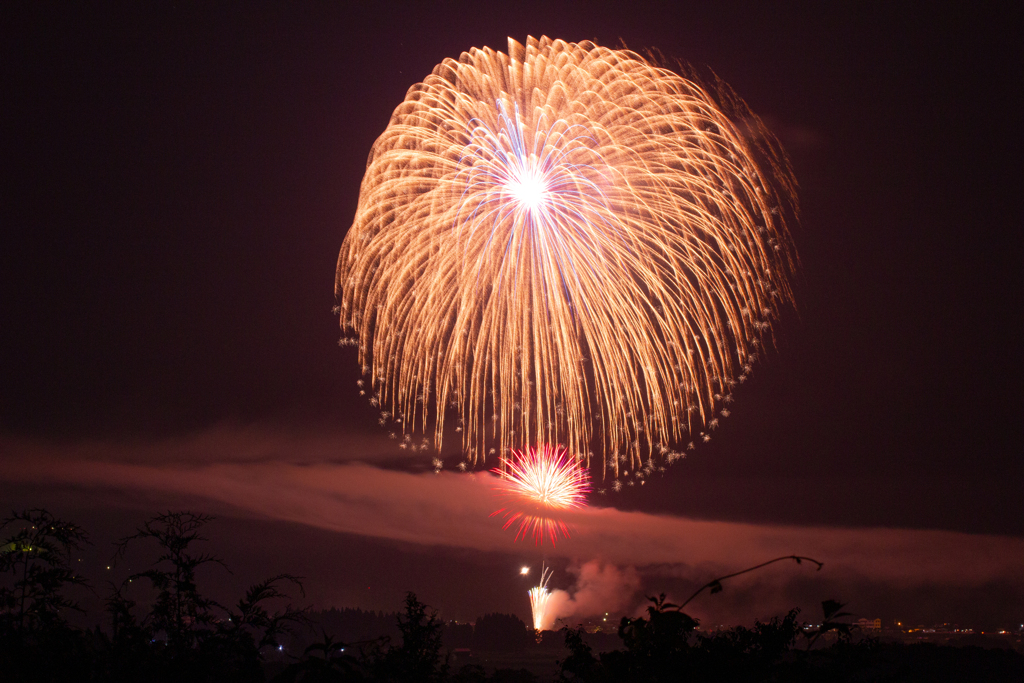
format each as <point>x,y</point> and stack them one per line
<point>529,188</point>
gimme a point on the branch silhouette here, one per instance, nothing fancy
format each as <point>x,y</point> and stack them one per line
<point>716,584</point>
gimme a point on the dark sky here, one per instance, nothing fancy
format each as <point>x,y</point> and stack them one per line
<point>177,182</point>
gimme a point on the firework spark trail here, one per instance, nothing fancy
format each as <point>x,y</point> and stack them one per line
<point>538,483</point>
<point>539,598</point>
<point>540,527</point>
<point>569,244</point>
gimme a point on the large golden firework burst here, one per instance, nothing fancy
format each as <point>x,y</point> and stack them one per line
<point>565,244</point>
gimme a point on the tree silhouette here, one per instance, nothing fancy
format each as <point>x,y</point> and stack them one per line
<point>35,562</point>
<point>326,661</point>
<point>180,611</point>
<point>36,575</point>
<point>187,635</point>
<point>419,656</point>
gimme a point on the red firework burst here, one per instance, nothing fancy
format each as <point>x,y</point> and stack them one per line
<point>538,483</point>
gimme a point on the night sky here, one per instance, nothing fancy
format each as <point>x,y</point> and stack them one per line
<point>178,180</point>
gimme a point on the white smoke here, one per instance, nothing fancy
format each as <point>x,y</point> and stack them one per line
<point>599,588</point>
